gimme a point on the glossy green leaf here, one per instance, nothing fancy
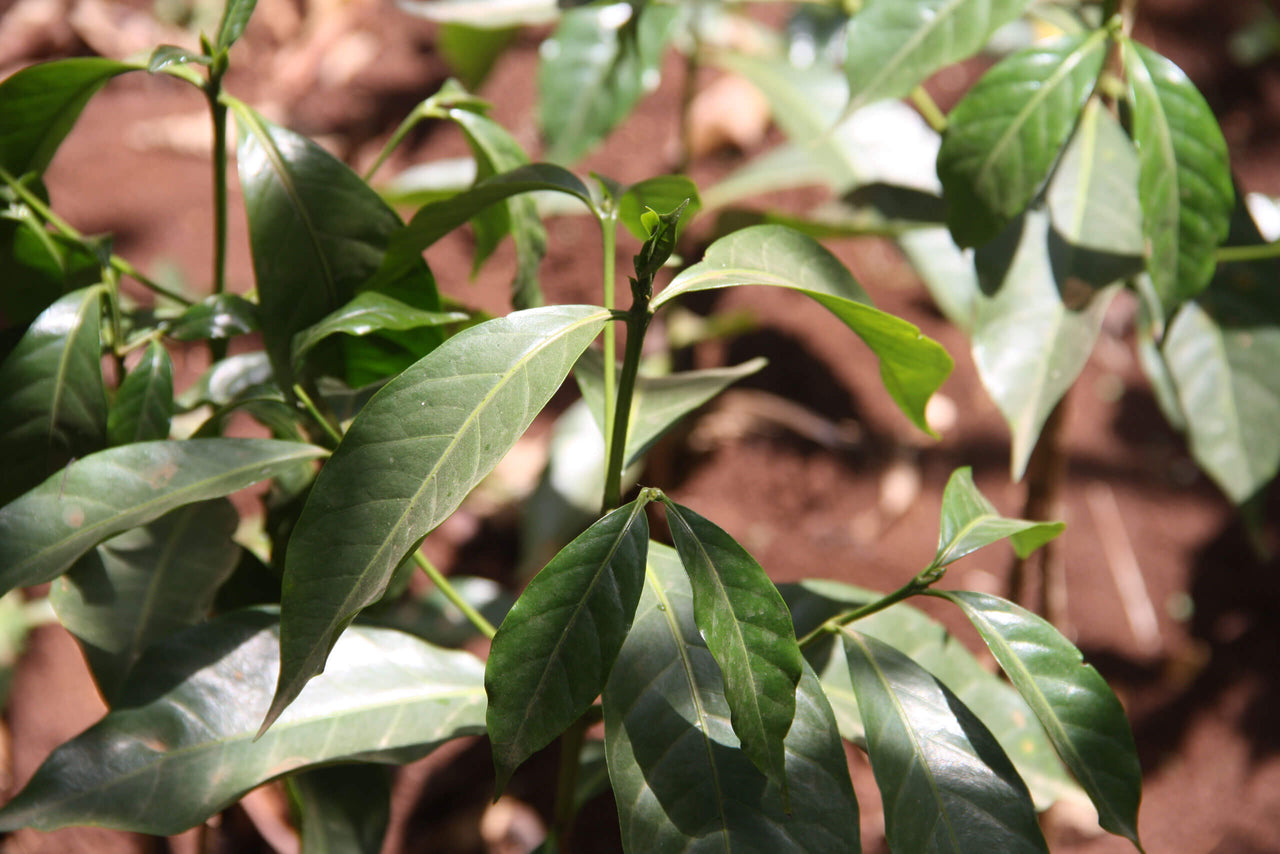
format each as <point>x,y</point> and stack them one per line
<point>235,17</point>
<point>167,55</point>
<point>48,97</point>
<point>47,529</point>
<point>658,403</point>
<point>1033,332</point>
<point>343,809</point>
<point>946,783</point>
<point>912,366</point>
<point>218,316</point>
<point>554,651</point>
<point>53,404</point>
<point>317,231</point>
<point>144,402</point>
<point>180,746</point>
<point>228,379</point>
<point>40,266</point>
<point>1006,133</point>
<point>145,584</point>
<point>594,68</point>
<point>1081,715</point>
<point>1185,181</point>
<point>1221,352</point>
<point>407,462</point>
<point>680,778</point>
<point>749,632</point>
<point>970,521</point>
<point>663,193</point>
<point>369,312</point>
<point>895,45</point>
<point>927,642</point>
<point>484,13</point>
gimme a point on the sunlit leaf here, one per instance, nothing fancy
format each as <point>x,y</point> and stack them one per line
<point>484,13</point>
<point>45,530</point>
<point>680,777</point>
<point>970,521</point>
<point>144,402</point>
<point>343,809</point>
<point>228,379</point>
<point>167,55</point>
<point>179,745</point>
<point>407,461</point>
<point>235,17</point>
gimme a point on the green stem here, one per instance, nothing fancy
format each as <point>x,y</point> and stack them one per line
<point>929,109</point>
<point>608,240</point>
<point>637,325</point>
<point>475,617</point>
<point>919,584</point>
<point>218,347</point>
<point>571,741</point>
<point>396,138</point>
<point>1240,254</point>
<point>314,411</point>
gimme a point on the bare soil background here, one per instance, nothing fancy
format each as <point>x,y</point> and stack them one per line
<point>1201,686</point>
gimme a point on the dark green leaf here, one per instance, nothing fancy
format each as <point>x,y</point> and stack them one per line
<point>229,379</point>
<point>40,266</point>
<point>1185,181</point>
<point>1081,715</point>
<point>48,99</point>
<point>235,17</point>
<point>1006,133</point>
<point>166,55</point>
<point>47,529</point>
<point>594,69</point>
<point>407,461</point>
<point>53,403</point>
<point>344,809</point>
<point>748,630</point>
<point>145,584</point>
<point>1033,329</point>
<point>658,403</point>
<point>180,746</point>
<point>911,365</point>
<point>946,783</point>
<point>554,651</point>
<point>970,521</point>
<point>663,193</point>
<point>144,401</point>
<point>895,45</point>
<point>218,316</point>
<point>369,312</point>
<point>680,778</point>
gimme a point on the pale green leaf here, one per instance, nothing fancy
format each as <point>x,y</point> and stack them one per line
<point>970,521</point>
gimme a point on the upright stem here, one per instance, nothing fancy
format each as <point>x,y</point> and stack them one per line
<point>1045,472</point>
<point>608,240</point>
<point>571,741</point>
<point>637,325</point>
<point>218,347</point>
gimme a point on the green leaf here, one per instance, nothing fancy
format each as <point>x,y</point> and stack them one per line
<point>484,13</point>
<point>912,366</point>
<point>214,317</point>
<point>166,55</point>
<point>144,585</point>
<point>970,521</point>
<point>1185,182</point>
<point>144,402</point>
<point>470,51</point>
<point>945,782</point>
<point>749,632</point>
<point>228,379</point>
<point>179,746</point>
<point>553,653</point>
<point>344,809</point>
<point>369,312</point>
<point>47,529</point>
<point>1033,331</point>
<point>48,97</point>
<point>658,403</point>
<point>235,17</point>
<point>1004,136</point>
<point>1081,715</point>
<point>663,193</point>
<point>407,461</point>
<point>895,45</point>
<point>680,777</point>
<point>593,70</point>
<point>53,404</point>
<point>930,645</point>
<point>317,231</point>
<point>40,266</point>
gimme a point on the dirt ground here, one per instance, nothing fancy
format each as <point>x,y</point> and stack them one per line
<point>1193,654</point>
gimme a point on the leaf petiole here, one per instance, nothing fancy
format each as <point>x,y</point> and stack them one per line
<point>922,582</point>
<point>473,616</point>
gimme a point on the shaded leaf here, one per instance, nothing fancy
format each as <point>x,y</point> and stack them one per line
<point>406,463</point>
<point>48,97</point>
<point>945,782</point>
<point>970,521</point>
<point>663,193</point>
<point>748,630</point>
<point>1185,182</point>
<point>217,316</point>
<point>912,366</point>
<point>180,746</point>
<point>40,266</point>
<point>166,55</point>
<point>472,51</point>
<point>895,45</point>
<point>1081,715</point>
<point>235,17</point>
<point>145,584</point>
<point>680,777</point>
<point>228,379</point>
<point>47,529</point>
<point>554,651</point>
<point>144,402</point>
<point>53,403</point>
<point>369,312</point>
<point>1006,133</point>
<point>344,809</point>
